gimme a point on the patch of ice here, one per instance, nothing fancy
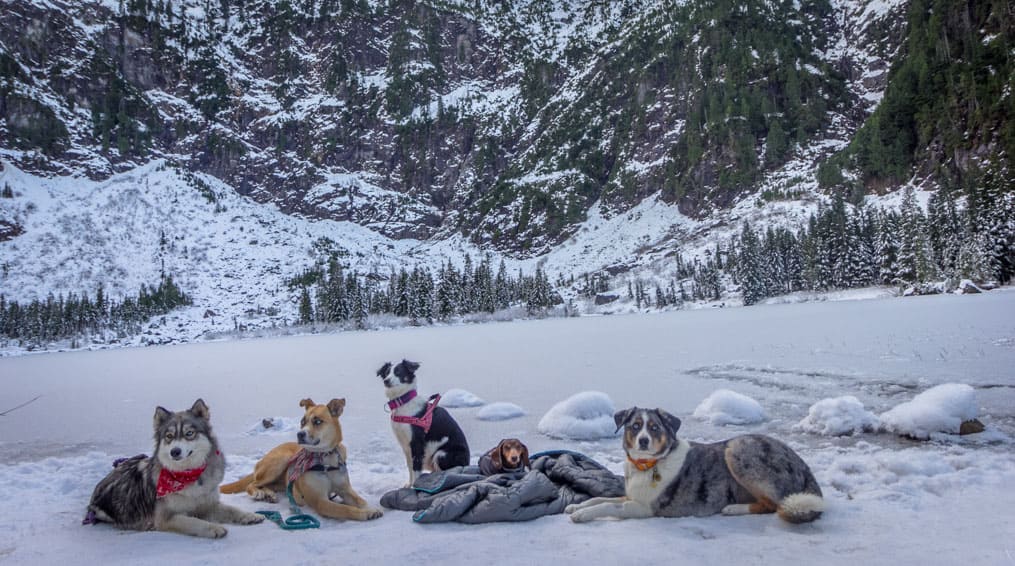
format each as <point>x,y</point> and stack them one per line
<point>938,409</point>
<point>725,407</point>
<point>583,416</point>
<point>500,411</point>
<point>454,398</point>
<point>837,416</point>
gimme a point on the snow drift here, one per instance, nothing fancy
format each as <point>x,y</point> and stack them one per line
<point>455,398</point>
<point>837,416</point>
<point>724,407</point>
<point>583,416</point>
<point>938,409</point>
<point>500,411</point>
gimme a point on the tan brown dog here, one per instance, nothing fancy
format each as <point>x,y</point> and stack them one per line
<point>510,455</point>
<point>315,465</point>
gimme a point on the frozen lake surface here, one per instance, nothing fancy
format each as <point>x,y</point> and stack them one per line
<point>890,500</point>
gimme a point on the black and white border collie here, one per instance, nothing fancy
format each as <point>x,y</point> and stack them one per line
<point>439,447</point>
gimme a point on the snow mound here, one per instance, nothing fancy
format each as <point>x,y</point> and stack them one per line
<point>938,409</point>
<point>724,407</point>
<point>583,416</point>
<point>837,416</point>
<point>460,398</point>
<point>275,425</point>
<point>500,412</point>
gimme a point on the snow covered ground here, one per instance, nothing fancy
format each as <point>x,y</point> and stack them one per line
<point>890,500</point>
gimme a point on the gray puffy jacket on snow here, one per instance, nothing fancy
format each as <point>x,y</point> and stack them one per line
<point>556,480</point>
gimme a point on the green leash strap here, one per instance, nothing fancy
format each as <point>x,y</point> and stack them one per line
<point>297,521</point>
<point>293,523</point>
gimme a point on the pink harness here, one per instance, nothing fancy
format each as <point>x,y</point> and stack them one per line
<point>426,420</point>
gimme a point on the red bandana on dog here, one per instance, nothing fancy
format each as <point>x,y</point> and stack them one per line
<point>301,462</point>
<point>171,482</point>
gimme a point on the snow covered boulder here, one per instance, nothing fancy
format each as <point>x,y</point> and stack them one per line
<point>724,407</point>
<point>275,425</point>
<point>500,412</point>
<point>939,409</point>
<point>967,287</point>
<point>454,398</point>
<point>583,416</point>
<point>837,416</point>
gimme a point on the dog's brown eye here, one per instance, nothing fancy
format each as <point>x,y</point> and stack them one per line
<point>317,422</point>
<point>169,436</point>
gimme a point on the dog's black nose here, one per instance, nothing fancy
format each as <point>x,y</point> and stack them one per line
<point>175,452</point>
<point>301,435</point>
<point>643,442</point>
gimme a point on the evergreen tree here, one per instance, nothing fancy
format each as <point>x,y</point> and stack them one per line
<point>914,259</point>
<point>749,267</point>
<point>306,310</point>
<point>888,248</point>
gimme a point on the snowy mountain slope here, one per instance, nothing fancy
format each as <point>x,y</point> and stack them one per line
<point>890,500</point>
<point>506,122</point>
<point>230,253</point>
<point>234,256</point>
<point>546,133</point>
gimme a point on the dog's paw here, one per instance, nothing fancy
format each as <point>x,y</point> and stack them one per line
<point>265,495</point>
<point>373,513</point>
<point>250,519</point>
<point>579,516</point>
<point>736,509</point>
<point>215,531</point>
<point>572,508</point>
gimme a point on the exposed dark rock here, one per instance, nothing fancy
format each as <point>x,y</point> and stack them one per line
<point>973,426</point>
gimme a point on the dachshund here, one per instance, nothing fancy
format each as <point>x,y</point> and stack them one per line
<point>509,456</point>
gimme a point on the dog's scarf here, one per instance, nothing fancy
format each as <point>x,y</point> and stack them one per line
<point>426,420</point>
<point>171,482</point>
<point>305,461</point>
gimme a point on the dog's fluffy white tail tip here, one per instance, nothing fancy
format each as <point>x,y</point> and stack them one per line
<point>801,507</point>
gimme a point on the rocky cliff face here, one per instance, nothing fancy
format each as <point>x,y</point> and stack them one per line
<point>505,121</point>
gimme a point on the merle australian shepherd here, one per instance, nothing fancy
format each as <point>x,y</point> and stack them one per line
<point>429,436</point>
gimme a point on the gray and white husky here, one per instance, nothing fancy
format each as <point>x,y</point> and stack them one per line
<point>667,476</point>
<point>176,489</point>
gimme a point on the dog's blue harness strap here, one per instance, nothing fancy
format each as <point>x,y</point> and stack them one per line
<point>297,521</point>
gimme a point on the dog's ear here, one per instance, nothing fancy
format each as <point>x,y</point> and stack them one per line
<point>497,456</point>
<point>161,416</point>
<point>384,371</point>
<point>336,406</point>
<point>406,370</point>
<point>307,403</point>
<point>200,410</point>
<point>671,422</point>
<point>525,456</point>
<point>621,417</point>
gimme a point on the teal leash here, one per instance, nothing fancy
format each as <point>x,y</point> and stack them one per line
<point>297,521</point>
